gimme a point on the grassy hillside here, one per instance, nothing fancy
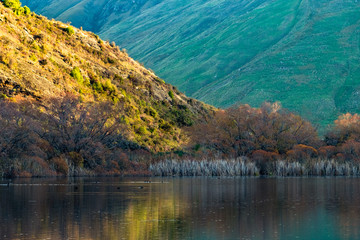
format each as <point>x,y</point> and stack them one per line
<point>42,60</point>
<point>302,53</point>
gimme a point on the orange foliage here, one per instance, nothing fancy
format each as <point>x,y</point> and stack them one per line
<point>243,130</point>
<point>301,152</point>
<point>327,152</point>
<point>347,120</point>
<point>261,155</point>
<point>60,165</point>
<point>351,150</point>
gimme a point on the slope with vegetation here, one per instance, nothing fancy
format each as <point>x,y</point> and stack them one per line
<point>70,99</point>
<point>72,104</point>
<point>304,54</point>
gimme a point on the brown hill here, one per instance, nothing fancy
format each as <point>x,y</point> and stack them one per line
<point>42,59</point>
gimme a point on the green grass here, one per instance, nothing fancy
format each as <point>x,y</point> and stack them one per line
<point>305,54</point>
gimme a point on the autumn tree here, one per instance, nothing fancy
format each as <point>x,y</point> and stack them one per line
<point>86,134</point>
<point>17,139</point>
<point>63,135</point>
<point>242,130</point>
<point>345,137</point>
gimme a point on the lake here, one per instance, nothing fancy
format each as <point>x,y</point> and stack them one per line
<point>180,208</point>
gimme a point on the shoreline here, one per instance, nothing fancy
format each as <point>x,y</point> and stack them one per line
<point>240,167</point>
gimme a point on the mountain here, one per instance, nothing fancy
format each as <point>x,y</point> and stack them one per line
<point>42,60</point>
<point>303,53</point>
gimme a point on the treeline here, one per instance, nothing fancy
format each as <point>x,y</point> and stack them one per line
<point>66,137</point>
<point>269,134</point>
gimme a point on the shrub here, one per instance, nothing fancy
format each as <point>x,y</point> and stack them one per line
<point>108,86</point>
<point>27,10</point>
<point>13,4</point>
<point>76,74</point>
<point>151,111</point>
<point>181,116</point>
<point>70,30</point>
<point>97,86</point>
<point>171,95</point>
<point>141,130</point>
<point>19,11</point>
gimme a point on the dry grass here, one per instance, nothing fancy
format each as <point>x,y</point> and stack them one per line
<point>245,167</point>
<point>235,167</point>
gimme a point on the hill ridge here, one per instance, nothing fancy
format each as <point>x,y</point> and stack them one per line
<point>42,59</point>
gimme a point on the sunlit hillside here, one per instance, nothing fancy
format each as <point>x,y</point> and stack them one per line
<point>302,53</point>
<point>65,93</point>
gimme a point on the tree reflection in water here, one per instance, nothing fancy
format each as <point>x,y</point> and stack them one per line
<point>181,208</point>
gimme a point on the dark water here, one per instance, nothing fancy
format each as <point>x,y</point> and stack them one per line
<point>181,208</point>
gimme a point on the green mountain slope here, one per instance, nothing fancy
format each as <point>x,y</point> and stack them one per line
<point>304,53</point>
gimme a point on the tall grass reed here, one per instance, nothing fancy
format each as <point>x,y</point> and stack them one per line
<point>245,167</point>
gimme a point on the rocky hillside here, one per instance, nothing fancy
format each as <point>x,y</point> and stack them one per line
<point>41,59</point>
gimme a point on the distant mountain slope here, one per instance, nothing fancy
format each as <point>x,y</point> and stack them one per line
<point>42,59</point>
<point>304,53</point>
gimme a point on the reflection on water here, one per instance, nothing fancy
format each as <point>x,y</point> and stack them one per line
<point>181,208</point>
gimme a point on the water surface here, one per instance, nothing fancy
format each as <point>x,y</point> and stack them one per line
<point>180,208</point>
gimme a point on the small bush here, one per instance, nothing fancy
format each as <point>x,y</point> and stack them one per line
<point>108,86</point>
<point>141,130</point>
<point>97,86</point>
<point>13,4</point>
<point>171,95</point>
<point>151,111</point>
<point>19,11</point>
<point>75,73</point>
<point>70,30</point>
<point>27,10</point>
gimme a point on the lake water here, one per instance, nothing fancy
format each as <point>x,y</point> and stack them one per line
<point>180,208</point>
